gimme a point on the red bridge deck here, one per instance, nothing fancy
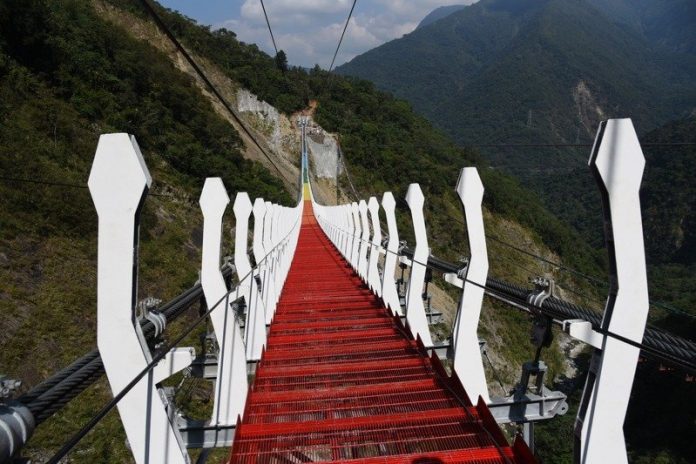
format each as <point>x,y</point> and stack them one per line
<point>343,380</point>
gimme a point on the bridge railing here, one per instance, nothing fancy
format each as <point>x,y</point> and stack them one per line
<point>617,164</point>
<point>156,432</point>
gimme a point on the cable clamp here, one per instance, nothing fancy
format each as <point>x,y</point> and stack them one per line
<point>8,387</point>
<point>457,278</point>
<point>148,310</point>
<point>543,289</point>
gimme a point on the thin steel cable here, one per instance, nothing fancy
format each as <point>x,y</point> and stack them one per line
<point>566,145</point>
<point>68,185</point>
<point>495,372</point>
<point>657,343</point>
<point>350,14</point>
<point>163,27</point>
<point>75,439</point>
<point>345,167</point>
<point>268,23</point>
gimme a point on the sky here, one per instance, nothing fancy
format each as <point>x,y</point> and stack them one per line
<point>308,30</point>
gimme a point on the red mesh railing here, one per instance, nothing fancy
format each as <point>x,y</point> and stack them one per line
<point>342,380</point>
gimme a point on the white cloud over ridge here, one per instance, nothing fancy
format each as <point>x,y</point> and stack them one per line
<point>308,30</point>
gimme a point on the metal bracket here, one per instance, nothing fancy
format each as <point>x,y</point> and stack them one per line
<point>200,434</point>
<point>527,406</point>
<point>457,278</point>
<point>16,422</point>
<point>8,387</point>
<point>544,288</point>
<point>582,330</point>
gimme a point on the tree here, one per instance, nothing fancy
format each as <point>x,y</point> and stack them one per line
<point>281,61</point>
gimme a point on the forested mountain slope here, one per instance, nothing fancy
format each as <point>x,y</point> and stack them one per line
<point>69,72</point>
<point>523,71</point>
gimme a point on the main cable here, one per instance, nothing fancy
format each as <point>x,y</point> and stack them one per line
<point>350,14</point>
<point>656,343</point>
<point>163,27</point>
<point>268,23</point>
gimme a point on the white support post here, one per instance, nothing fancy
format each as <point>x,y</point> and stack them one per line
<point>415,310</point>
<point>269,289</point>
<point>357,232</point>
<point>364,240</point>
<point>347,225</point>
<point>231,386</point>
<point>255,327</point>
<point>259,250</point>
<point>373,279</point>
<point>389,292</point>
<point>468,363</point>
<point>118,182</point>
<point>617,163</point>
<point>278,231</point>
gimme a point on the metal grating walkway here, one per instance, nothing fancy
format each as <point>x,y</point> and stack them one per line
<point>342,380</point>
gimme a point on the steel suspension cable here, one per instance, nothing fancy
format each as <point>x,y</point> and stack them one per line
<point>268,23</point>
<point>163,27</point>
<point>656,343</point>
<point>350,14</point>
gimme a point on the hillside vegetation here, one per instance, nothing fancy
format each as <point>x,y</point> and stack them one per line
<point>527,71</point>
<point>67,74</point>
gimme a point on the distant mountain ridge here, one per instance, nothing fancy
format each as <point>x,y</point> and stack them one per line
<point>523,71</point>
<point>439,13</point>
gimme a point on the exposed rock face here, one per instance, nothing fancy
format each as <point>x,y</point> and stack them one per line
<point>267,117</point>
<point>323,152</point>
<point>588,109</point>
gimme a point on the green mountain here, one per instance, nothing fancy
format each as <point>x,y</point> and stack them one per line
<point>668,202</point>
<point>73,69</point>
<point>667,23</point>
<point>534,72</point>
<point>439,13</point>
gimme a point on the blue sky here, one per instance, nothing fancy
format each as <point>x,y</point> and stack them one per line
<point>308,30</point>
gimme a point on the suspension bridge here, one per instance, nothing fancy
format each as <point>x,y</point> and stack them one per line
<point>320,356</point>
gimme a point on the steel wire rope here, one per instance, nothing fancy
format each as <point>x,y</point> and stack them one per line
<point>160,23</point>
<point>350,14</point>
<point>75,439</point>
<point>74,186</point>
<point>658,343</point>
<point>268,23</point>
<point>46,393</point>
<point>567,145</point>
<point>350,180</point>
<point>590,278</point>
<point>158,356</point>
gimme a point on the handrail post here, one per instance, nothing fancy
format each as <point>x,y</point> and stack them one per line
<point>346,224</point>
<point>255,326</point>
<point>389,292</point>
<point>617,163</point>
<point>415,310</point>
<point>364,240</point>
<point>269,289</point>
<point>355,249</point>
<point>468,363</point>
<point>231,387</point>
<point>259,211</point>
<point>373,279</point>
<point>118,182</point>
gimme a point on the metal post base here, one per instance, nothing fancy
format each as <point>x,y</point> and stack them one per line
<point>198,434</point>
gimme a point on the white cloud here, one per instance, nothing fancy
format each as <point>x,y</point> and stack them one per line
<point>308,30</point>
